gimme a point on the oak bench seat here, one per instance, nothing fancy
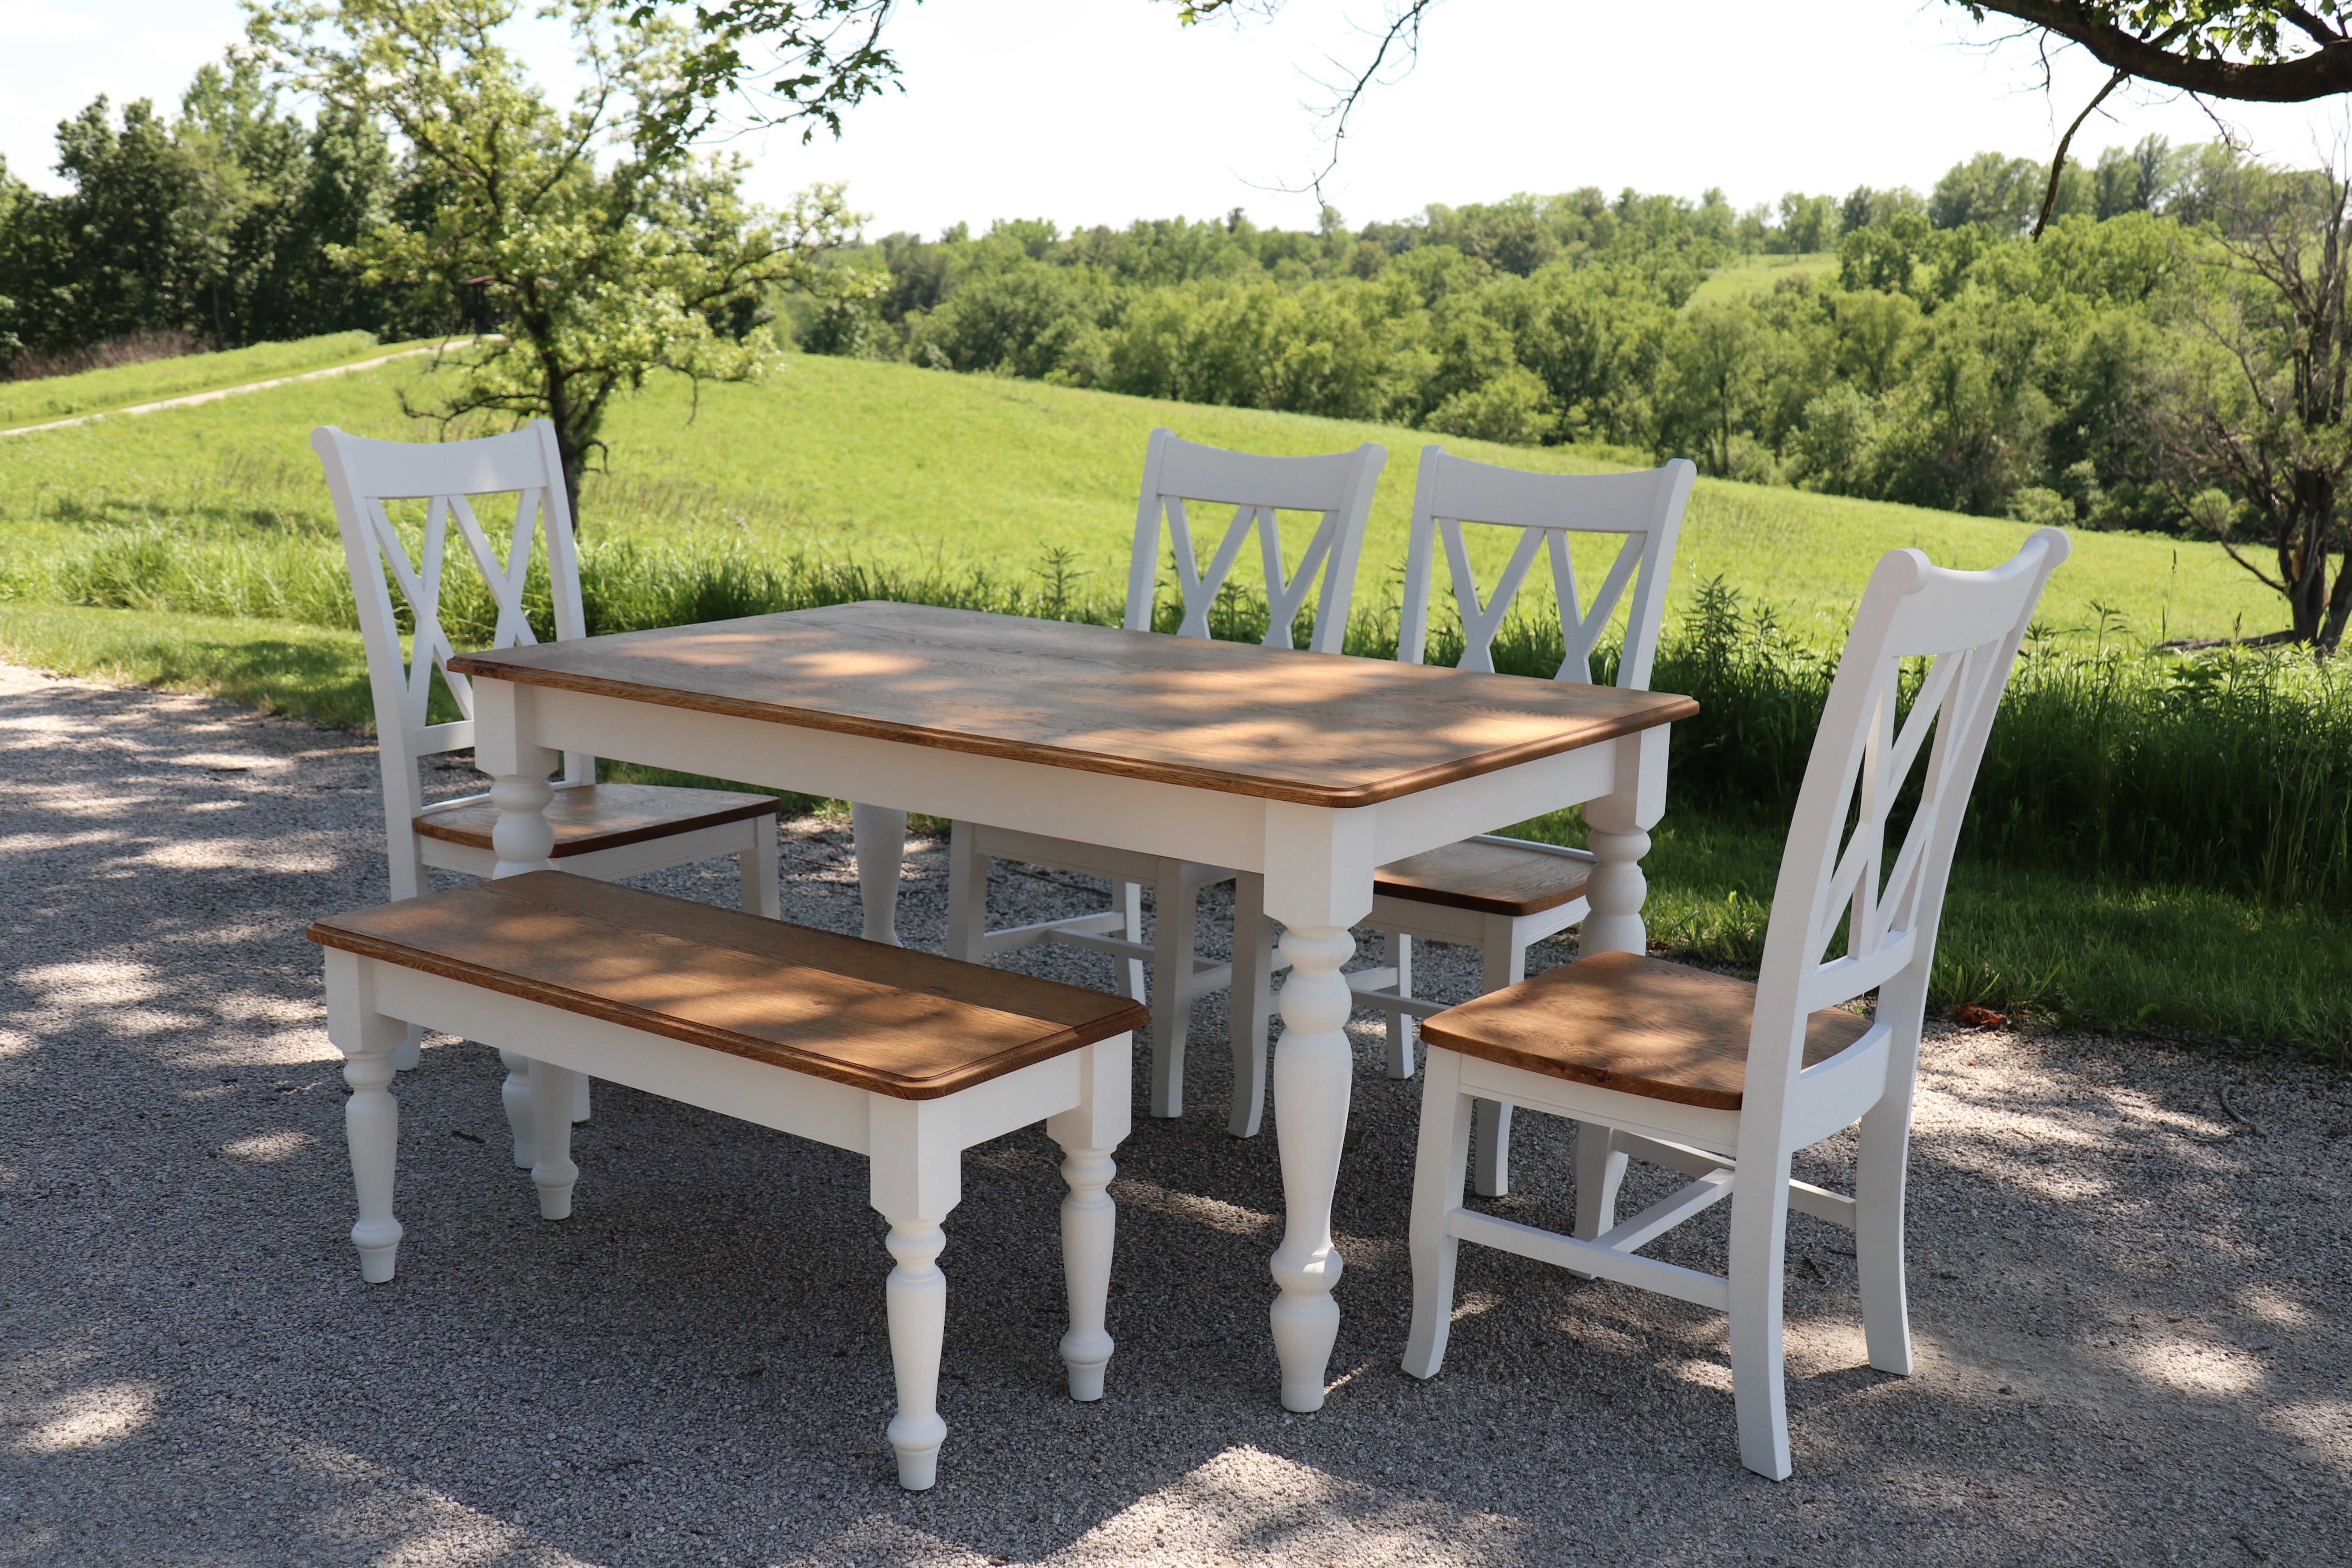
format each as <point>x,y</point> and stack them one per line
<point>904,1057</point>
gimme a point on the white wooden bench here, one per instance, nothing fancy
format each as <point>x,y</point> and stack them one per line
<point>906,1058</point>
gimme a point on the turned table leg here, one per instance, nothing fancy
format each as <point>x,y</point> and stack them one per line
<point>1313,1074</point>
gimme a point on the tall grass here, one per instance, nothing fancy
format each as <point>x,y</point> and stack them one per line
<point>2229,769</point>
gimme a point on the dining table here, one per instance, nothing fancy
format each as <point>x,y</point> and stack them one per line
<point>1310,769</point>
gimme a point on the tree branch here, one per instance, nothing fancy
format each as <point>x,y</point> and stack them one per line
<point>2058,162</point>
<point>2323,73</point>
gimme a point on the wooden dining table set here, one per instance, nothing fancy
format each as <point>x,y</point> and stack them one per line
<point>1335,793</point>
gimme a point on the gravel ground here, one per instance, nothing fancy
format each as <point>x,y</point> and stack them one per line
<point>2129,1265</point>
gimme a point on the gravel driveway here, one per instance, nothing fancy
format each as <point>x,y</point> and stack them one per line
<point>2129,1280</point>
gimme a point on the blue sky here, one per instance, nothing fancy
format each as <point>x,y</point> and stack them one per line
<point>1103,110</point>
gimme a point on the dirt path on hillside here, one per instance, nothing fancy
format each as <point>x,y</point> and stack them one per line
<point>2129,1291</point>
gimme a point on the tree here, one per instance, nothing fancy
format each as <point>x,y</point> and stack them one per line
<point>2266,410</point>
<point>594,274</point>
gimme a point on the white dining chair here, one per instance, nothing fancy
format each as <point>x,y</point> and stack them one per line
<point>1500,894</point>
<point>603,831</point>
<point>1176,474</point>
<point>1723,1080</point>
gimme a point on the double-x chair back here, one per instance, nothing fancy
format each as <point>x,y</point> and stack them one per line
<point>1178,474</point>
<point>1835,875</point>
<point>1548,510</point>
<point>363,476</point>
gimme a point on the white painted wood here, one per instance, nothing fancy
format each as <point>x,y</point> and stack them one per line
<point>552,1169</point>
<point>361,476</point>
<point>1176,471</point>
<point>879,839</point>
<point>371,1116</point>
<point>1970,625</point>
<point>1313,1066</point>
<point>913,1148</point>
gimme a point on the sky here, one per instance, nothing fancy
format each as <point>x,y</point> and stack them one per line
<point>1086,111</point>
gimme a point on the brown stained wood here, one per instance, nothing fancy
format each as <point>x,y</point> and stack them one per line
<point>593,817</point>
<point>1641,1026</point>
<point>911,1025</point>
<point>1492,879</point>
<point>1317,728</point>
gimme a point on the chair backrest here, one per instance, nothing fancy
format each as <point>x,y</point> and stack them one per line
<point>1176,471</point>
<point>1646,507</point>
<point>361,476</point>
<point>1967,625</point>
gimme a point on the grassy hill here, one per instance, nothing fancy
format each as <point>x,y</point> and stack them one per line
<point>915,469</point>
<point>35,403</point>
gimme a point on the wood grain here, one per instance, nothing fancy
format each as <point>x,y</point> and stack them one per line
<point>1490,878</point>
<point>591,817</point>
<point>1321,729</point>
<point>911,1025</point>
<point>1642,1026</point>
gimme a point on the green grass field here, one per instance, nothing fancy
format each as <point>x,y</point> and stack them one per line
<point>1761,274</point>
<point>918,469</point>
<point>935,474</point>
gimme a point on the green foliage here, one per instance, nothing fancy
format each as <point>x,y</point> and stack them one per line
<point>598,274</point>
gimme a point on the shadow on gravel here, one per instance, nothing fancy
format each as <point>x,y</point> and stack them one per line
<point>2126,1292</point>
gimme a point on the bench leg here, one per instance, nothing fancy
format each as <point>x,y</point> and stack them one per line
<point>918,1316</point>
<point>371,1127</point>
<point>1089,1221</point>
<point>551,1169</point>
<point>515,1095</point>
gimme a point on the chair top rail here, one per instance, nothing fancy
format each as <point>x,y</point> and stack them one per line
<point>1192,472</point>
<point>414,470</point>
<point>1472,492</point>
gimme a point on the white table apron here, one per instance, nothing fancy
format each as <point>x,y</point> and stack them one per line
<point>1317,862</point>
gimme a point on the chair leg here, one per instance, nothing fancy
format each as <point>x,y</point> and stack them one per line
<point>515,1094</point>
<point>581,1109</point>
<point>1396,953</point>
<point>1444,1148</point>
<point>878,839</point>
<point>1878,1182</point>
<point>967,893</point>
<point>552,1170</point>
<point>1126,897</point>
<point>1600,1169</point>
<point>918,1296</point>
<point>1759,1226</point>
<point>1089,1224</point>
<point>756,867</point>
<point>1250,1004</point>
<point>410,1051</point>
<point>1490,1167</point>
<point>1505,962</point>
<point>371,1129</point>
<point>1176,919</point>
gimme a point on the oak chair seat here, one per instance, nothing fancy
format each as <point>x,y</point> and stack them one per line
<point>1640,1026</point>
<point>1488,875</point>
<point>906,1058</point>
<point>591,817</point>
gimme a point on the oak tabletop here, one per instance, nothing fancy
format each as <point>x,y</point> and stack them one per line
<point>1322,729</point>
